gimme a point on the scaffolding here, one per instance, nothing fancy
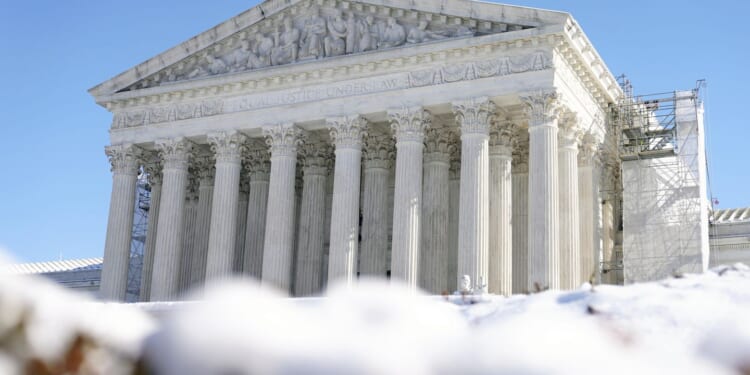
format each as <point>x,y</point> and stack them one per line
<point>138,239</point>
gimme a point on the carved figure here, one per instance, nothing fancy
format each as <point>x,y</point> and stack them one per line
<point>214,66</point>
<point>315,33</point>
<point>351,34</point>
<point>393,35</point>
<point>368,40</point>
<point>287,44</point>
<point>261,52</point>
<point>334,42</point>
<point>420,34</point>
<point>238,59</point>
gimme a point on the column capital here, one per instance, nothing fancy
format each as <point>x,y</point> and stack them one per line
<point>474,115</point>
<point>347,131</point>
<point>258,164</point>
<point>569,132</point>
<point>124,158</point>
<point>378,151</point>
<point>227,146</point>
<point>153,167</point>
<point>283,139</point>
<point>542,107</point>
<point>317,158</point>
<point>588,149</point>
<point>409,123</point>
<point>205,168</point>
<point>175,153</point>
<point>503,136</point>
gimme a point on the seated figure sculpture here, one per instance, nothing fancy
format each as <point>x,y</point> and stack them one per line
<point>393,35</point>
<point>335,44</point>
<point>287,44</point>
<point>260,56</point>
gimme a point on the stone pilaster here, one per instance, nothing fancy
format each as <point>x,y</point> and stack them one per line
<point>227,148</point>
<point>408,125</point>
<point>278,250</point>
<point>378,159</point>
<point>521,213</point>
<point>125,163</point>
<point>474,117</point>
<point>544,230</point>
<point>153,168</point>
<point>435,195</point>
<point>346,134</point>
<point>239,245</point>
<point>570,251</point>
<point>258,167</point>
<point>454,190</point>
<point>175,154</point>
<point>588,203</point>
<point>206,170</point>
<point>311,235</point>
<point>502,139</point>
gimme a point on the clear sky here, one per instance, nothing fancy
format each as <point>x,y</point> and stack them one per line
<point>54,197</point>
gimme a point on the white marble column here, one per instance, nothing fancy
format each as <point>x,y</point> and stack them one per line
<point>501,208</point>
<point>153,168</point>
<point>378,157</point>
<point>570,225</point>
<point>588,200</point>
<point>175,154</point>
<point>239,244</point>
<point>346,134</point>
<point>278,250</point>
<point>473,117</point>
<point>227,148</point>
<point>311,235</point>
<point>188,234</point>
<point>258,168</point>
<point>125,162</point>
<point>206,169</point>
<point>435,195</point>
<point>544,230</point>
<point>408,125</point>
<point>454,195</point>
<point>521,213</point>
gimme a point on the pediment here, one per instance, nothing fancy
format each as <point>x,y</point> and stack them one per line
<point>283,32</point>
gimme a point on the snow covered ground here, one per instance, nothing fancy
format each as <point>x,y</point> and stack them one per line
<point>697,324</point>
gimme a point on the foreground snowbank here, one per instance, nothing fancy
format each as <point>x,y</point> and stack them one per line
<point>697,324</point>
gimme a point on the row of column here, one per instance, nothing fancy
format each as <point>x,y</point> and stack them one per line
<point>487,197</point>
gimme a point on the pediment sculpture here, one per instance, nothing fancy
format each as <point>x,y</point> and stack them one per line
<point>317,33</point>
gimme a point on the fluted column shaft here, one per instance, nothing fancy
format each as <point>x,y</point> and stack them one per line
<point>473,234</point>
<point>206,170</point>
<point>239,244</point>
<point>278,251</point>
<point>544,244</point>
<point>588,201</point>
<point>258,168</point>
<point>165,279</point>
<point>188,238</point>
<point>124,160</point>
<point>149,249</point>
<point>570,251</point>
<point>311,235</point>
<point>435,195</point>
<point>520,228</point>
<point>374,220</point>
<point>223,233</point>
<point>347,135</point>
<point>454,195</point>
<point>501,213</point>
<point>408,125</point>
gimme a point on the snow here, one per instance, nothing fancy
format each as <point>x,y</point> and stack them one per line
<point>696,324</point>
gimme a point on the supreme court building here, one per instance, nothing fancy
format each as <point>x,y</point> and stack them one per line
<point>310,142</point>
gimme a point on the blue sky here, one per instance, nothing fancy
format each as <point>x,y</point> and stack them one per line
<point>55,194</point>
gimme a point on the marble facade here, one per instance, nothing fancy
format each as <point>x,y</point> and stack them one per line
<point>306,142</point>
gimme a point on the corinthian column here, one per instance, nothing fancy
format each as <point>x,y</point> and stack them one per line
<point>378,156</point>
<point>434,257</point>
<point>501,208</point>
<point>227,148</point>
<point>175,154</point>
<point>473,233</point>
<point>206,169</point>
<point>278,250</point>
<point>239,244</point>
<point>521,213</point>
<point>408,125</point>
<point>544,244</point>
<point>346,133</point>
<point>454,195</point>
<point>125,163</point>
<point>258,168</point>
<point>188,234</point>
<point>311,235</point>
<point>570,251</point>
<point>153,168</point>
<point>588,204</point>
